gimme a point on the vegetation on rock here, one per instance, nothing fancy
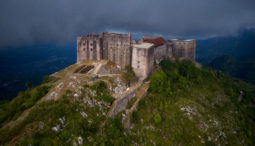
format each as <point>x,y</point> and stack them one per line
<point>194,106</point>
<point>128,75</point>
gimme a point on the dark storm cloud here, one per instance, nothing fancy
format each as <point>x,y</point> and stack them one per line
<point>35,21</point>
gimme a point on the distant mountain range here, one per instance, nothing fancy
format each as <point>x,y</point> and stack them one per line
<point>241,46</point>
<point>233,55</point>
<point>239,68</point>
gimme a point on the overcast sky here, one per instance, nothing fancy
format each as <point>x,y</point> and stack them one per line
<point>25,22</point>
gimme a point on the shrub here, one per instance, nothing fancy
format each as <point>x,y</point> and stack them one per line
<point>128,75</point>
<point>108,98</point>
<point>135,117</point>
<point>29,85</point>
<point>100,86</point>
<point>46,79</point>
<point>158,82</point>
<point>157,118</point>
<point>114,129</point>
<point>141,103</point>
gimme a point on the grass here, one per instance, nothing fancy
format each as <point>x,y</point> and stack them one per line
<point>68,107</point>
<point>65,71</point>
<point>24,100</point>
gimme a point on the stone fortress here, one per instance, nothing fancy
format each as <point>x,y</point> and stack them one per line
<point>141,54</point>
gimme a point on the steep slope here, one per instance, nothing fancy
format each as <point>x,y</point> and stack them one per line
<point>190,106</point>
<point>75,99</point>
<point>184,105</point>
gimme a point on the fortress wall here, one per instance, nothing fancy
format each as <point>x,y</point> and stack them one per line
<point>89,47</point>
<point>160,52</point>
<point>150,61</point>
<point>78,49</point>
<point>118,48</point>
<point>105,50</point>
<point>169,49</point>
<point>190,50</point>
<point>143,59</point>
<point>138,61</point>
<point>127,56</point>
<point>184,49</point>
<point>193,51</point>
<point>82,49</point>
<point>98,50</point>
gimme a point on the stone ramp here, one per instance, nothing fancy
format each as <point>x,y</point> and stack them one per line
<point>120,103</point>
<point>141,92</point>
<point>98,66</point>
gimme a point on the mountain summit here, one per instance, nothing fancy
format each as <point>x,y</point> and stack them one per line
<point>95,103</point>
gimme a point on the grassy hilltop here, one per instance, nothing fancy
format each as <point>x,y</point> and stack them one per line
<point>184,105</point>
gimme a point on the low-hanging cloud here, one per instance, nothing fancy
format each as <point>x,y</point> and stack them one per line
<point>37,21</point>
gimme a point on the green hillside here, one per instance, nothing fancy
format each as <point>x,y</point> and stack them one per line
<point>184,105</point>
<point>190,106</point>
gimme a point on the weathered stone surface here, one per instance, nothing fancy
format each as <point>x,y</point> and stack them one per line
<point>143,59</point>
<point>184,49</point>
<point>123,51</point>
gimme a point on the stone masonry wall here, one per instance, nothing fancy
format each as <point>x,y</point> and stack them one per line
<point>142,61</point>
<point>117,48</point>
<point>88,47</point>
<point>185,49</point>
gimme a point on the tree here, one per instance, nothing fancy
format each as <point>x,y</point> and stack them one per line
<point>29,85</point>
<point>46,79</point>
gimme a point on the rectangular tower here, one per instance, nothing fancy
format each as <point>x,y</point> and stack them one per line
<point>185,49</point>
<point>143,59</point>
<point>117,48</point>
<point>89,48</point>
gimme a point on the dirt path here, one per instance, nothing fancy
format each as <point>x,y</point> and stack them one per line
<point>21,117</point>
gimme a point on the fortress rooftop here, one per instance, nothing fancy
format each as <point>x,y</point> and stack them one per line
<point>143,45</point>
<point>184,40</point>
<point>157,41</point>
